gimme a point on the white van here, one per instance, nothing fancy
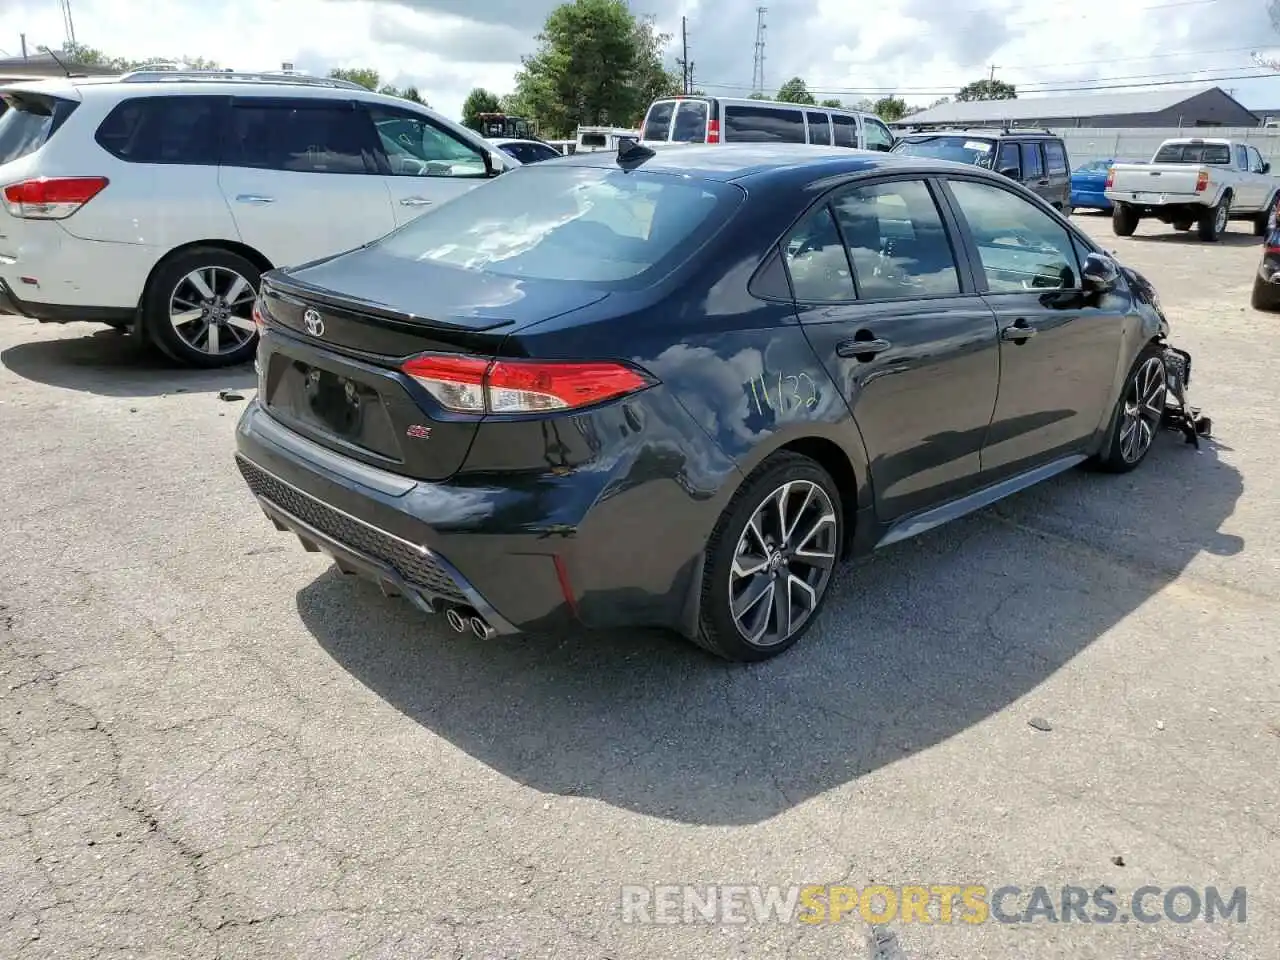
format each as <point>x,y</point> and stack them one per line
<point>733,120</point>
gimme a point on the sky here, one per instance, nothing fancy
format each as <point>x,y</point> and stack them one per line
<point>920,49</point>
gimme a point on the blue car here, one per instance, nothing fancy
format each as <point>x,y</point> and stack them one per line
<point>1088,182</point>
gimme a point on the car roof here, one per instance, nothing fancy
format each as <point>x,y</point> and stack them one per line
<point>503,141</point>
<point>729,162</point>
<point>995,132</point>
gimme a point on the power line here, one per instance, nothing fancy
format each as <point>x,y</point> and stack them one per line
<point>946,92</point>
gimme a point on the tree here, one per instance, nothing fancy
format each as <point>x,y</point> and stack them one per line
<point>890,108</point>
<point>73,52</point>
<point>988,88</point>
<point>595,63</point>
<point>833,104</point>
<point>478,101</point>
<point>411,94</point>
<point>795,91</point>
<point>365,76</point>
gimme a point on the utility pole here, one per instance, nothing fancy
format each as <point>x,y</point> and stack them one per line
<point>993,73</point>
<point>684,44</point>
<point>23,38</point>
<point>757,71</point>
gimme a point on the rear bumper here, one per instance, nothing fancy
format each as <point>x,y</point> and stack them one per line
<point>537,553</point>
<point>11,303</point>
<point>1090,199</point>
<point>54,276</point>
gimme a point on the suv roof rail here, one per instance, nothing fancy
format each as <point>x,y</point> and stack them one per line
<point>297,79</point>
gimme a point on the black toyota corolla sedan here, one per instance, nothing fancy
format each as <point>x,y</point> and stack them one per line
<point>677,388</point>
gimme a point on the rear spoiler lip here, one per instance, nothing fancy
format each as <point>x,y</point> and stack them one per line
<point>282,284</point>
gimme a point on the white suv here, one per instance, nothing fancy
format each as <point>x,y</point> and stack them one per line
<point>153,202</point>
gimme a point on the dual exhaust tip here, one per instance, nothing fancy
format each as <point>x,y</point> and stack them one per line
<point>462,620</point>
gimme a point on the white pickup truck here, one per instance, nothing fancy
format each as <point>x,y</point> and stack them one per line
<point>1194,181</point>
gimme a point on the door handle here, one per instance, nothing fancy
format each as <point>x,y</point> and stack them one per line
<point>862,350</point>
<point>415,202</point>
<point>253,198</point>
<point>1018,331</point>
<point>1042,183</point>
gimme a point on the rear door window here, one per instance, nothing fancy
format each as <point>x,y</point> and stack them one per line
<point>691,122</point>
<point>658,123</point>
<point>1032,164</point>
<point>750,124</point>
<point>300,136</point>
<point>819,128</point>
<point>846,131</point>
<point>178,130</point>
<point>896,241</point>
<point>28,123</point>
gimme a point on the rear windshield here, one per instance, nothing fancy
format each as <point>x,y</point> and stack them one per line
<point>1193,153</point>
<point>28,123</point>
<point>658,122</point>
<point>584,224</point>
<point>974,151</point>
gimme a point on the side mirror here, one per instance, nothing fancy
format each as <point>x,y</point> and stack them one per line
<point>1266,166</point>
<point>1013,173</point>
<point>1099,274</point>
<point>491,165</point>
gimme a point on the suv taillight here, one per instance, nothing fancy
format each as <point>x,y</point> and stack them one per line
<point>1111,178</point>
<point>465,384</point>
<point>1202,181</point>
<point>713,131</point>
<point>51,198</point>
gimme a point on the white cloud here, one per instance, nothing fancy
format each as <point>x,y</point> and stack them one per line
<point>920,48</point>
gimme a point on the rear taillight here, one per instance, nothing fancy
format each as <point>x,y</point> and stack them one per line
<point>1111,177</point>
<point>472,385</point>
<point>713,131</point>
<point>1202,181</point>
<point>51,198</point>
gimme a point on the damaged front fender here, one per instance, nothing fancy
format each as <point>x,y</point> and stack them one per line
<point>1179,414</point>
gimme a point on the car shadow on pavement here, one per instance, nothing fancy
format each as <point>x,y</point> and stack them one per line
<point>115,365</point>
<point>1191,238</point>
<point>917,644</point>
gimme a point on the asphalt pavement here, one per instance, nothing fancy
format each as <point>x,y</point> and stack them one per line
<point>212,745</point>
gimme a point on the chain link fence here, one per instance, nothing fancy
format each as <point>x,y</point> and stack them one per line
<point>1140,143</point>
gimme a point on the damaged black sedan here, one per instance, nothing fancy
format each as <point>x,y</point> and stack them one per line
<point>677,388</point>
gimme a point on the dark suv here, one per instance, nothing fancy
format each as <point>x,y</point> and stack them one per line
<point>1037,159</point>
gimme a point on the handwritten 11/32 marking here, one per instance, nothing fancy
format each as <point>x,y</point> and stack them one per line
<point>788,393</point>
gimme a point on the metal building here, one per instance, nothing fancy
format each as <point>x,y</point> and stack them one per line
<point>1204,106</point>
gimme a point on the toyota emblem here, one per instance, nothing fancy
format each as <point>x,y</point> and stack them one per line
<point>314,323</point>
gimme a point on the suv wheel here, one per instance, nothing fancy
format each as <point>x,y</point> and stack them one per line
<point>198,308</point>
<point>770,560</point>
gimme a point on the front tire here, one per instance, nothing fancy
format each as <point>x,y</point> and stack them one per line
<point>198,308</point>
<point>1139,413</point>
<point>770,560</point>
<point>1124,220</point>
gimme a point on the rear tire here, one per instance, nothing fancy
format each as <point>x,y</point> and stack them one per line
<point>215,290</point>
<point>1124,220</point>
<point>1213,222</point>
<point>763,586</point>
<point>1138,415</point>
<point>1260,224</point>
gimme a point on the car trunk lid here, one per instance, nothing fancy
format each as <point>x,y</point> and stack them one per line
<point>330,366</point>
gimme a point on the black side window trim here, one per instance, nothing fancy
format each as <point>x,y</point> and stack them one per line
<point>960,250</point>
<point>369,135</point>
<point>1032,199</point>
